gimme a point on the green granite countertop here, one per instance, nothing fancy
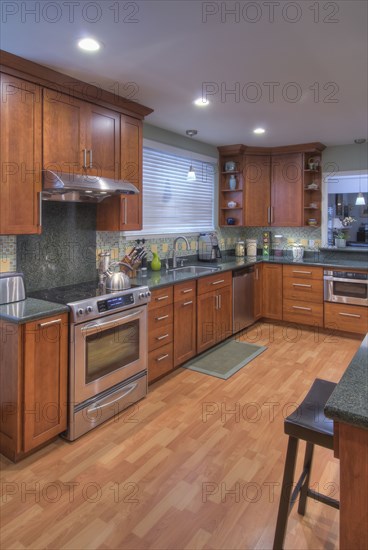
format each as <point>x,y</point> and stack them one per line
<point>349,400</point>
<point>29,310</point>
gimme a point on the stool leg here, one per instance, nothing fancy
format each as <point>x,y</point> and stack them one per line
<point>307,466</point>
<point>287,485</point>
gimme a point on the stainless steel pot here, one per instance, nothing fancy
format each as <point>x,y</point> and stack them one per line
<point>117,281</point>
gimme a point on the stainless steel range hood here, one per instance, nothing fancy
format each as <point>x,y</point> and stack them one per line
<point>69,187</point>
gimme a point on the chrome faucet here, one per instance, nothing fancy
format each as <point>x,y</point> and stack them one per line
<point>175,260</point>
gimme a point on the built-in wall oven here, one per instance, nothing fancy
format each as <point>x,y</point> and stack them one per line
<point>347,287</point>
<point>107,352</point>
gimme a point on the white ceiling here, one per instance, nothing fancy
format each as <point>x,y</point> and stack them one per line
<point>160,52</point>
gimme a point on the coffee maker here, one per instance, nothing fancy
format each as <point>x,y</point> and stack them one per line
<point>208,247</point>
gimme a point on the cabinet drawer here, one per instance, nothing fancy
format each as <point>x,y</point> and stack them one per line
<point>160,317</point>
<point>161,297</point>
<point>346,317</point>
<point>213,282</point>
<point>160,361</point>
<point>160,337</point>
<point>309,290</point>
<point>303,272</point>
<point>304,313</point>
<point>185,291</point>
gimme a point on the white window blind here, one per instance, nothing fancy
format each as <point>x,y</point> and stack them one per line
<point>171,204</point>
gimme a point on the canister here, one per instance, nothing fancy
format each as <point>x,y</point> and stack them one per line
<point>251,248</point>
<point>240,249</point>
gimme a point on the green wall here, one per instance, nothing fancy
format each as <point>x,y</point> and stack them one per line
<point>346,157</point>
<point>176,140</point>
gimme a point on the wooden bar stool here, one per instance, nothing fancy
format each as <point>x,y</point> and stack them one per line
<point>309,423</point>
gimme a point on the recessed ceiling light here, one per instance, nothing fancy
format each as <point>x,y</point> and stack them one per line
<point>201,102</point>
<point>89,44</point>
<point>259,131</point>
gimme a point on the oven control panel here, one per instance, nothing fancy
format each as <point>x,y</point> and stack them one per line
<point>349,275</point>
<point>115,302</point>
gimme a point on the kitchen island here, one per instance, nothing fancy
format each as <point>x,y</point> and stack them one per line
<point>348,407</point>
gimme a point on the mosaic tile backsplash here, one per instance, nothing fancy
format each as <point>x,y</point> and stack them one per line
<point>8,253</point>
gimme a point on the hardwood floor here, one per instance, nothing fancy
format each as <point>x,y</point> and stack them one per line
<point>197,464</point>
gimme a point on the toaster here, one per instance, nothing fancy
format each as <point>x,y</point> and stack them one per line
<point>11,288</point>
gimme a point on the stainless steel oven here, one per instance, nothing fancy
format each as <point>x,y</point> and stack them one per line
<point>346,287</point>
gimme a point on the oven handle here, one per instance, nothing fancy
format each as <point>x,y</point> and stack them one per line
<point>98,405</point>
<point>91,329</point>
<point>354,281</point>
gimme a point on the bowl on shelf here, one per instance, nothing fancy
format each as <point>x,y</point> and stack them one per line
<point>312,186</point>
<point>312,222</point>
<point>230,221</point>
<point>232,204</point>
<point>230,166</point>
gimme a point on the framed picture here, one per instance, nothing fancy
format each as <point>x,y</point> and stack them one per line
<point>364,211</point>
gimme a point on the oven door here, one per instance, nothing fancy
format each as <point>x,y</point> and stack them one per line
<point>107,351</point>
<point>346,291</point>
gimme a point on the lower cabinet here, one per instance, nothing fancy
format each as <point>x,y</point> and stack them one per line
<point>346,317</point>
<point>214,310</point>
<point>303,295</point>
<point>160,333</point>
<point>33,384</point>
<point>185,327</point>
<point>272,291</point>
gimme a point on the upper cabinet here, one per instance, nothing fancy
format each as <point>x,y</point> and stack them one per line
<point>279,187</point>
<point>80,137</point>
<point>21,156</point>
<point>124,213</point>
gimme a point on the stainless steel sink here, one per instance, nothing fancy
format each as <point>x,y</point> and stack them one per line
<point>194,269</point>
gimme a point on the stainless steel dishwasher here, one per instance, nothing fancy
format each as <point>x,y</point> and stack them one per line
<point>243,299</point>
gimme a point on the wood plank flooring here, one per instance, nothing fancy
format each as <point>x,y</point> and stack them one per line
<point>196,465</point>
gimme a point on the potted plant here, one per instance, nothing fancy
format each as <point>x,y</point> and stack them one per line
<point>340,239</point>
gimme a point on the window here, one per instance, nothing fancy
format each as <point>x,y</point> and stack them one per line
<point>171,204</point>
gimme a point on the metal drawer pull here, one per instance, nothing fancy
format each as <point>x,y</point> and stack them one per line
<point>40,208</point>
<point>162,357</point>
<point>304,272</point>
<point>90,159</point>
<point>55,322</point>
<point>162,318</point>
<point>84,158</point>
<point>188,303</point>
<point>304,308</point>
<point>162,298</point>
<point>162,337</point>
<point>186,291</point>
<point>350,315</point>
<point>300,284</point>
<point>218,282</point>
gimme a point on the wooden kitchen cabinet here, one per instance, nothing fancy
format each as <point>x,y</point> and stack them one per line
<point>124,213</point>
<point>303,295</point>
<point>80,137</point>
<point>287,190</point>
<point>160,333</point>
<point>257,281</point>
<point>272,291</point>
<point>214,310</point>
<point>33,391</point>
<point>185,322</point>
<point>257,192</point>
<point>21,157</point>
<point>346,317</point>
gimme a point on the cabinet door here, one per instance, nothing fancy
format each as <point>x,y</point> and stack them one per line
<point>223,314</point>
<point>185,336</point>
<point>257,291</point>
<point>257,197</point>
<point>272,291</point>
<point>103,155</point>
<point>287,190</point>
<point>125,213</point>
<point>45,380</point>
<point>64,133</point>
<point>20,149</point>
<point>206,321</point>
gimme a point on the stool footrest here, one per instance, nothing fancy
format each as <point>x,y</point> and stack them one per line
<point>324,499</point>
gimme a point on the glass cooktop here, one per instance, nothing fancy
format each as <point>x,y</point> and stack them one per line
<point>73,293</point>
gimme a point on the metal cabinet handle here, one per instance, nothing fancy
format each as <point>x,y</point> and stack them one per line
<point>40,208</point>
<point>218,282</point>
<point>256,274</point>
<point>84,158</point>
<point>162,357</point>
<point>187,290</point>
<point>304,272</point>
<point>216,302</point>
<point>188,303</point>
<point>304,308</point>
<point>300,284</point>
<point>271,214</point>
<point>220,301</point>
<point>162,337</point>
<point>350,315</point>
<point>90,158</point>
<point>162,318</point>
<point>159,298</point>
<point>48,323</point>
